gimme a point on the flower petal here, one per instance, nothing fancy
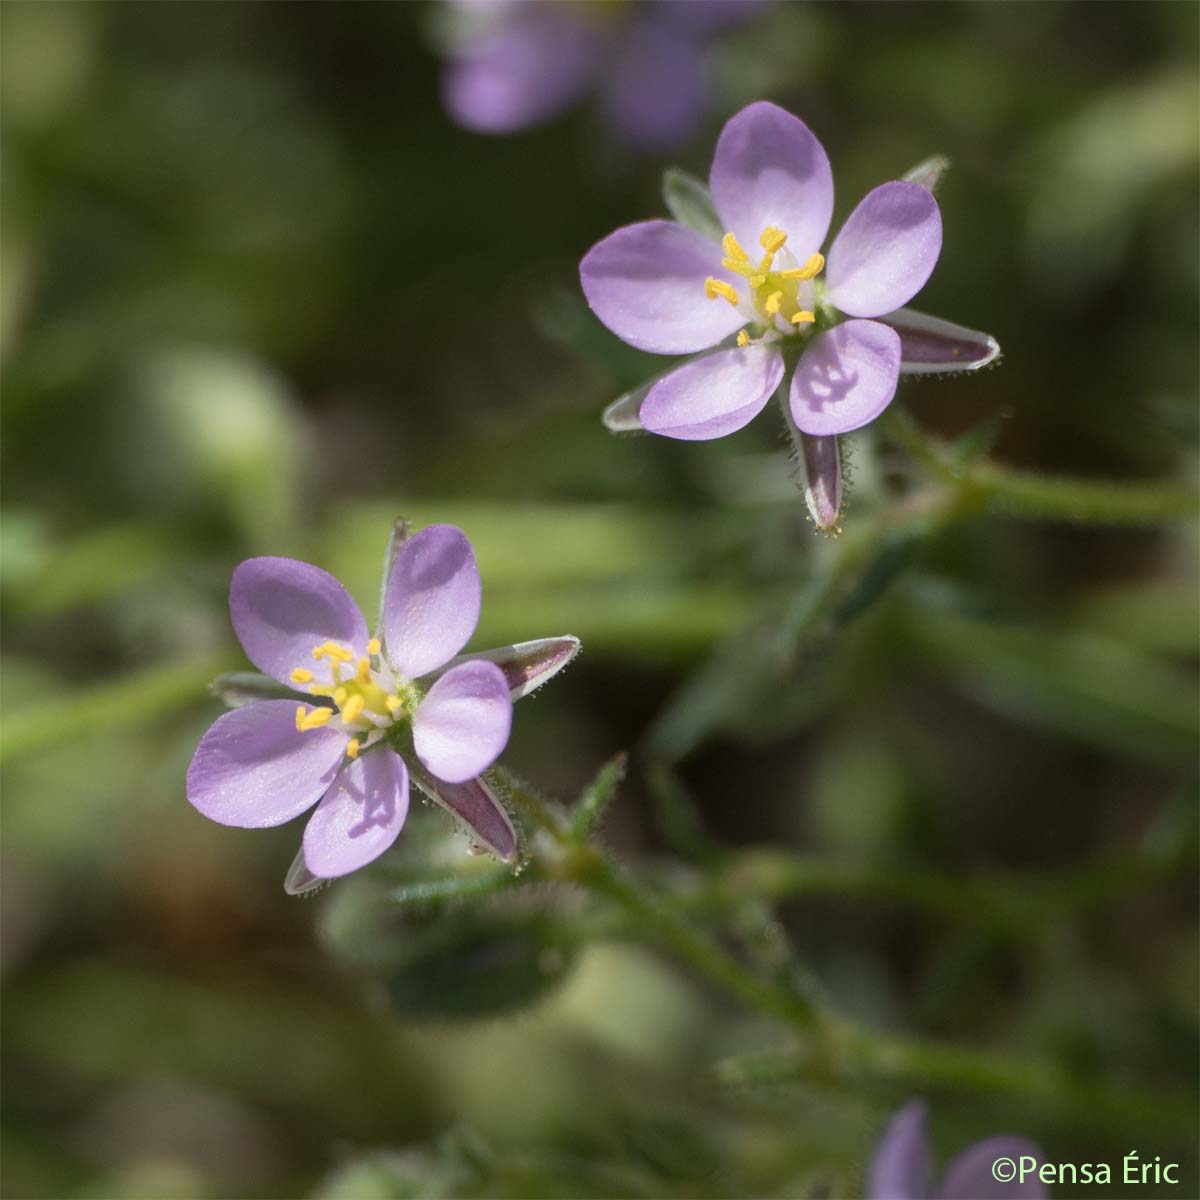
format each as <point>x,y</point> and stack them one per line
<point>654,89</point>
<point>431,605</point>
<point>899,1169</point>
<point>474,805</point>
<point>527,665</point>
<point>254,768</point>
<point>769,169</point>
<point>931,346</point>
<point>282,608</point>
<point>886,250</point>
<point>846,378</point>
<point>464,721</point>
<point>714,395</point>
<point>970,1174</point>
<point>525,69</point>
<point>359,817</point>
<point>646,283</point>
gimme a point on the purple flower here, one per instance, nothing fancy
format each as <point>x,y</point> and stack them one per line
<point>760,300</point>
<point>518,63</point>
<point>357,698</point>
<point>900,1168</point>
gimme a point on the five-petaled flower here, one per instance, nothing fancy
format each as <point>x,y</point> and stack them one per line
<point>762,299</point>
<point>358,697</point>
<point>518,63</point>
<point>900,1168</point>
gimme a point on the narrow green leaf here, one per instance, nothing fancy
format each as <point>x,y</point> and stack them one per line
<point>597,796</point>
<point>239,688</point>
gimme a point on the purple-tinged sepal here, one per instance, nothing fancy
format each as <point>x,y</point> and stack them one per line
<point>928,173</point>
<point>239,688</point>
<point>475,805</point>
<point>822,468</point>
<point>527,665</point>
<point>623,415</point>
<point>931,346</point>
<point>299,879</point>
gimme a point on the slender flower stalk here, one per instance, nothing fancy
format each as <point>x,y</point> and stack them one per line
<point>363,711</point>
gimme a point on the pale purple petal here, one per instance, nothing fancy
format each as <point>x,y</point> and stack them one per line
<point>886,250</point>
<point>431,606</point>
<point>769,169</point>
<point>822,480</point>
<point>714,395</point>
<point>646,283</point>
<point>653,90</point>
<point>475,806</point>
<point>527,665</point>
<point>360,815</point>
<point>282,609</point>
<point>969,1176</point>
<point>463,723</point>
<point>533,63</point>
<point>846,378</point>
<point>899,1169</point>
<point>931,346</point>
<point>254,768</point>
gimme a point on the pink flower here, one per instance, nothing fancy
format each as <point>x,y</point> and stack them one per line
<point>358,698</point>
<point>762,300</point>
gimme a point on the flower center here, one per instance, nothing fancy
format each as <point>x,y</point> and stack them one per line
<point>366,696</point>
<point>781,292</point>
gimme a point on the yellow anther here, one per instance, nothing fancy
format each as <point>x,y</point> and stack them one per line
<point>301,713</point>
<point>364,670</point>
<point>394,704</point>
<point>733,249</point>
<point>810,270</point>
<point>374,646</point>
<point>756,281</point>
<point>333,651</point>
<point>300,675</point>
<point>339,696</point>
<point>718,287</point>
<point>743,338</point>
<point>772,302</point>
<point>352,748</point>
<point>352,708</point>
<point>772,239</point>
<point>314,719</point>
<point>803,316</point>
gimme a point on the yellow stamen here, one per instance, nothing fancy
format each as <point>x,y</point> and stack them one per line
<point>333,651</point>
<point>300,675</point>
<point>718,287</point>
<point>352,748</point>
<point>374,646</point>
<point>352,708</point>
<point>732,247</point>
<point>314,719</point>
<point>802,316</point>
<point>364,670</point>
<point>743,338</point>
<point>756,281</point>
<point>394,704</point>
<point>772,239</point>
<point>771,304</point>
<point>810,270</point>
<point>339,696</point>
<point>301,713</point>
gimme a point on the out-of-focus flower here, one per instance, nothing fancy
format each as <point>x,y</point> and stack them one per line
<point>900,1168</point>
<point>518,63</point>
<point>357,700</point>
<point>837,324</point>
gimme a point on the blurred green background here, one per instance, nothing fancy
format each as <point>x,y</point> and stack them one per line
<point>260,296</point>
